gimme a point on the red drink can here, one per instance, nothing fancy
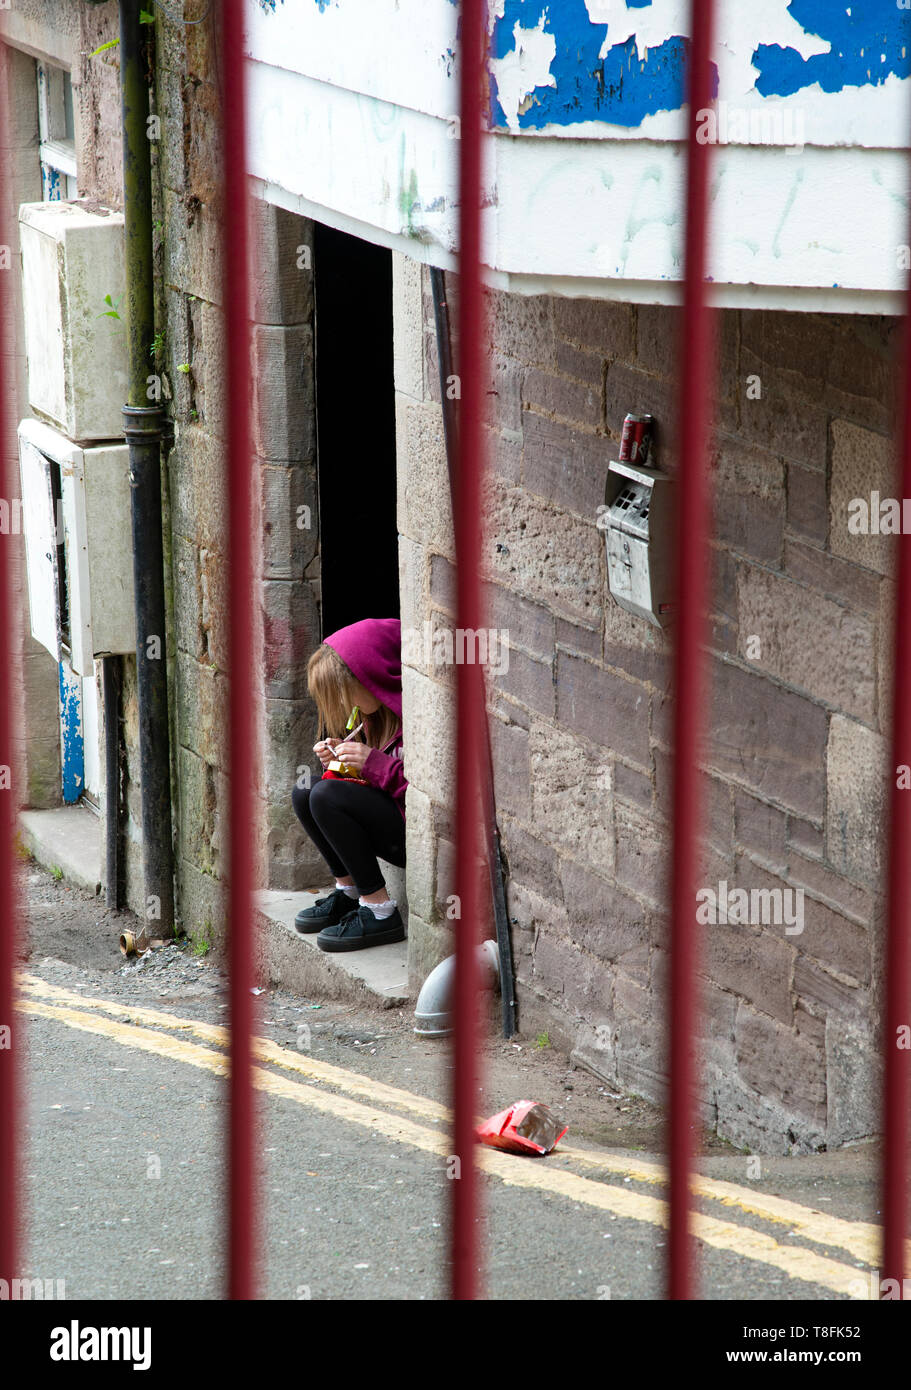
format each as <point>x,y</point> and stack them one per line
<point>635,439</point>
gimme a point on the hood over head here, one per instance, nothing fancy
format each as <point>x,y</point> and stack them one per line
<point>372,651</point>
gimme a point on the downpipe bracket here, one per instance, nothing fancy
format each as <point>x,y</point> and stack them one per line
<point>145,422</point>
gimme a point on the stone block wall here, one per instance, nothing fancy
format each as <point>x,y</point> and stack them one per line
<point>188,362</point>
<point>580,721</point>
<point>192,364</point>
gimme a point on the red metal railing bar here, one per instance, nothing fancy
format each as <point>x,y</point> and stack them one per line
<point>897,1068</point>
<point>9,916</point>
<point>696,379</point>
<point>470,696</point>
<point>243,666</point>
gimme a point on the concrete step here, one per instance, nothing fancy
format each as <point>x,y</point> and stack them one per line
<point>66,838</point>
<point>297,964</point>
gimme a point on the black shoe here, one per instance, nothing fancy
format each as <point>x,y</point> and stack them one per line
<point>361,929</point>
<point>325,912</point>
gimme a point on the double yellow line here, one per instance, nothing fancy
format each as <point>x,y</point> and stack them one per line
<point>389,1110</point>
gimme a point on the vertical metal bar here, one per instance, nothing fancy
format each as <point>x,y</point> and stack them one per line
<point>243,663</point>
<point>897,1069</point>
<point>694,424</point>
<point>9,888</point>
<point>469,675</point>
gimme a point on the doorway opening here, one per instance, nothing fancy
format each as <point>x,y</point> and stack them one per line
<point>355,429</point>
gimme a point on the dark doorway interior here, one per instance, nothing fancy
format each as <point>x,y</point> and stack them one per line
<point>355,423</point>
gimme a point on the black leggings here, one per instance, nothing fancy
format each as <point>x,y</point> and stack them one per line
<point>351,824</point>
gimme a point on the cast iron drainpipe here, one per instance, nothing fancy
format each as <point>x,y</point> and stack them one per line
<point>110,696</point>
<point>494,854</point>
<point>144,427</point>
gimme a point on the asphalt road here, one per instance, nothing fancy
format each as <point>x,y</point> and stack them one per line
<point>126,1191</point>
<point>124,1168</point>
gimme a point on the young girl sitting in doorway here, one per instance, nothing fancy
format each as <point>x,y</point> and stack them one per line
<point>353,821</point>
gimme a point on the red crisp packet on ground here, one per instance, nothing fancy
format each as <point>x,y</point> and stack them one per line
<point>525,1128</point>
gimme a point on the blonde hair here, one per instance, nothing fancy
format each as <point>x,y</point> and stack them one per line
<point>334,689</point>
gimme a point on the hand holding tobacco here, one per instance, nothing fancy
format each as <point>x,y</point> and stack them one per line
<point>354,754</point>
<point>325,750</point>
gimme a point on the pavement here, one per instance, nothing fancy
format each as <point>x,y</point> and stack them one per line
<point>124,1172</point>
<point>67,842</point>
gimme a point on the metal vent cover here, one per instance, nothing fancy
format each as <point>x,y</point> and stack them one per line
<point>630,508</point>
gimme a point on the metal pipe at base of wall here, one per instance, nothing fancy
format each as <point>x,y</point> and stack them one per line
<point>433,1011</point>
<point>493,847</point>
<point>144,426</point>
<point>110,702</point>
<point>143,429</point>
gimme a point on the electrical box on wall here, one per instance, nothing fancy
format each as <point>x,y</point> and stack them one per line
<point>78,545</point>
<point>73,280</point>
<point>639,533</point>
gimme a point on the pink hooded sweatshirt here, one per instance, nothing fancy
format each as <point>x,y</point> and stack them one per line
<point>372,651</point>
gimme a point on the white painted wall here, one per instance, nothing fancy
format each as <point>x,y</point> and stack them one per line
<point>352,121</point>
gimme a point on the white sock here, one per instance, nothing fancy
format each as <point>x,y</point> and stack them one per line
<point>381,910</point>
<point>348,888</point>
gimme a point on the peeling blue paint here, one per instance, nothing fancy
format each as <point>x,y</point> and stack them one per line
<point>621,87</point>
<point>869,41</point>
<point>52,187</point>
<point>72,748</point>
<point>269,5</point>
